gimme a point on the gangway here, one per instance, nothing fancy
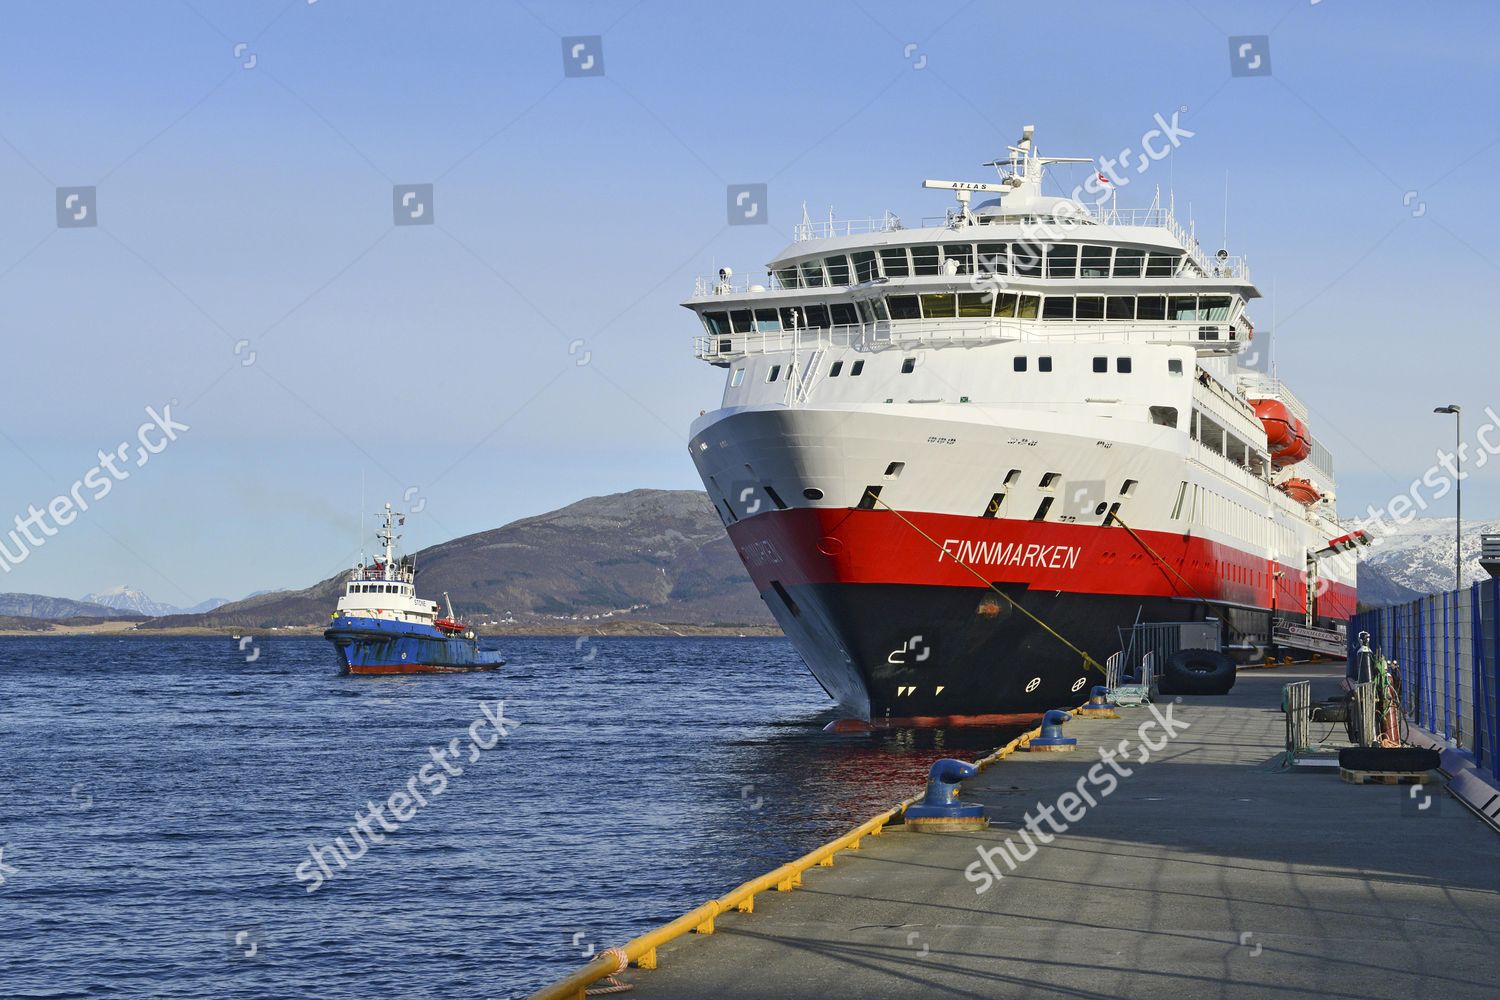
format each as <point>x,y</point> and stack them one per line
<point>1310,638</point>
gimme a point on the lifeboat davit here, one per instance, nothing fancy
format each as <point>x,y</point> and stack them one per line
<point>1300,490</point>
<point>1286,436</point>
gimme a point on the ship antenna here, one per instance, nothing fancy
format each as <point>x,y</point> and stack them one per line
<point>1225,244</point>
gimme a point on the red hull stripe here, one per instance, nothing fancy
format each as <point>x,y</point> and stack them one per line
<point>813,546</point>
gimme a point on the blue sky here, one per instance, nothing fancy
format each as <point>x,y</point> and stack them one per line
<point>250,209</point>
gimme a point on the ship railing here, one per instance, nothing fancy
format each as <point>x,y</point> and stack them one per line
<point>832,228</point>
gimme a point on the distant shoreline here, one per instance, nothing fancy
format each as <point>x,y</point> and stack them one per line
<point>126,628</point>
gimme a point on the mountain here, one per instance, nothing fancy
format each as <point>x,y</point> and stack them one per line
<point>1418,556</point>
<point>37,606</point>
<point>128,600</point>
<point>653,555</point>
<point>1377,589</point>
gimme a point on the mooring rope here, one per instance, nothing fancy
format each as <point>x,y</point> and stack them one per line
<point>1089,662</point>
<point>1112,516</point>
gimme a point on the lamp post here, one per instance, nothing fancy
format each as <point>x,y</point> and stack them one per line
<point>1458,531</point>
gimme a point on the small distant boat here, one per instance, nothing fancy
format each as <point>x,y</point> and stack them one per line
<point>380,626</point>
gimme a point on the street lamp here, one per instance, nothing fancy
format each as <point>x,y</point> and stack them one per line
<point>1458,531</point>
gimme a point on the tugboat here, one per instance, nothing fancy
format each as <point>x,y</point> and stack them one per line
<point>380,626</point>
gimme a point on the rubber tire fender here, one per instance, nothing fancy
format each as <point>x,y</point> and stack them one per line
<point>1198,671</point>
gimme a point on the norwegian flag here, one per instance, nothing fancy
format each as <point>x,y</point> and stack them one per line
<point>1103,179</point>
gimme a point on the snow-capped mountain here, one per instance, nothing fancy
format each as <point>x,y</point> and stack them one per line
<point>1419,555</point>
<point>124,598</point>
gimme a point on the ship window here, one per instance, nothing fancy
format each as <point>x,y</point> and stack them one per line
<point>925,260</point>
<point>904,307</point>
<point>1012,478</point>
<point>843,314</point>
<point>1062,261</point>
<point>1161,265</point>
<point>1005,304</point>
<point>833,372</point>
<point>786,598</point>
<point>1128,262</point>
<point>1026,259</point>
<point>1018,363</point>
<point>791,318</point>
<point>1182,307</point>
<point>817,315</point>
<point>718,323</point>
<point>1090,307</point>
<point>1166,416</point>
<point>894,261</point>
<point>1174,366</point>
<point>1095,263</point>
<point>993,259</point>
<point>1122,365</point>
<point>766,321</point>
<point>1119,307</point>
<point>864,265</point>
<point>1041,511</point>
<point>939,305</point>
<point>972,305</point>
<point>774,372</point>
<point>908,365</point>
<point>993,507</point>
<point>1044,363</point>
<point>742,320</point>
<point>1057,307</point>
<point>1026,307</point>
<point>787,277</point>
<point>812,273</point>
<point>1049,480</point>
<point>1151,307</point>
<point>1214,307</point>
<point>838,270</point>
<point>880,310</point>
<point>867,502</point>
<point>858,368</point>
<point>962,253</point>
<point>780,504</point>
<point>894,470</point>
<point>737,379</point>
<point>1101,364</point>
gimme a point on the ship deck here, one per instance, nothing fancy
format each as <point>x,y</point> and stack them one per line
<point>1210,871</point>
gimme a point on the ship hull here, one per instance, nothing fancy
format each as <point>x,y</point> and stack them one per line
<point>374,646</point>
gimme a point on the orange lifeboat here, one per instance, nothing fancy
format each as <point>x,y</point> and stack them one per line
<point>1300,490</point>
<point>1286,436</point>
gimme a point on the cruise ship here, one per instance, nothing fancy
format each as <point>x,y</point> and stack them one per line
<point>958,457</point>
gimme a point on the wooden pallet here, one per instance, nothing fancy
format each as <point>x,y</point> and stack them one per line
<point>1385,777</point>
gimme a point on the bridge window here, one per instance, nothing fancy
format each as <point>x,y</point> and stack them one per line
<point>1027,306</point>
<point>843,314</point>
<point>838,269</point>
<point>1062,261</point>
<point>1150,307</point>
<point>939,305</point>
<point>893,259</point>
<point>1213,307</point>
<point>994,258</point>
<point>812,273</point>
<point>962,254</point>
<point>1161,265</point>
<point>1119,307</point>
<point>817,315</point>
<point>742,321</point>
<point>1005,304</point>
<point>924,260</point>
<point>1057,307</point>
<point>973,305</point>
<point>791,318</point>
<point>1095,263</point>
<point>766,321</point>
<point>1128,262</point>
<point>718,323</point>
<point>864,265</point>
<point>1182,307</point>
<point>1026,259</point>
<point>904,307</point>
<point>1090,307</point>
<point>772,375</point>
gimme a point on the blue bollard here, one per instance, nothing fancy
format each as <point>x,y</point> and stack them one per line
<point>940,809</point>
<point>1052,738</point>
<point>1099,706</point>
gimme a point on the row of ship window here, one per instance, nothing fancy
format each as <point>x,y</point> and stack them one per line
<point>1019,363</point>
<point>972,305</point>
<point>1031,260</point>
<point>378,588</point>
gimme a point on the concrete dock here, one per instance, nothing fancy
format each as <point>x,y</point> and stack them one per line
<point>1208,871</point>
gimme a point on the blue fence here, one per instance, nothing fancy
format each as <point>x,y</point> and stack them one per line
<point>1448,648</point>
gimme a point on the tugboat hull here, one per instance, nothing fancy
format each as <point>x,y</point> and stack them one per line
<point>380,646</point>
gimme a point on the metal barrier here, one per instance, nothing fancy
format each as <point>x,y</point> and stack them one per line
<point>1146,647</point>
<point>1297,698</point>
<point>1448,650</point>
